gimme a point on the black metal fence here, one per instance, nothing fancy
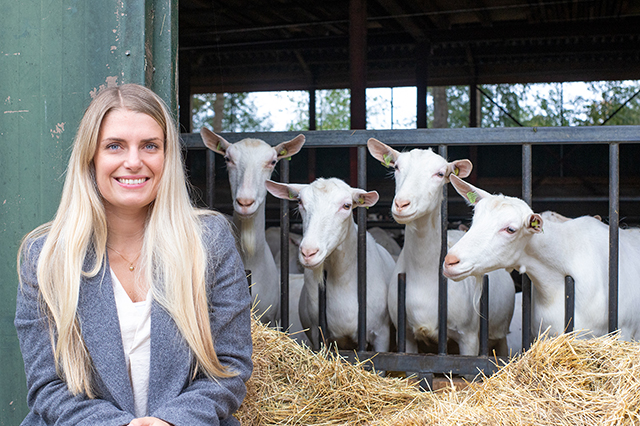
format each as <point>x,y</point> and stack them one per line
<point>425,365</point>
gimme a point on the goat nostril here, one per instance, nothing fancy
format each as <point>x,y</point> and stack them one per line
<point>451,260</point>
<point>309,253</point>
<point>401,204</point>
<point>245,202</point>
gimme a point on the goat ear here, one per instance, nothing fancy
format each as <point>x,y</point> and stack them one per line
<point>382,152</point>
<point>468,191</point>
<point>215,143</point>
<point>365,199</point>
<point>535,223</point>
<point>460,168</point>
<point>282,190</point>
<point>289,148</point>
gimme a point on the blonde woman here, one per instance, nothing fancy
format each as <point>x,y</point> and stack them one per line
<point>133,308</point>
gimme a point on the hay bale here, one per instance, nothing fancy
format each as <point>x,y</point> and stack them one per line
<point>559,381</point>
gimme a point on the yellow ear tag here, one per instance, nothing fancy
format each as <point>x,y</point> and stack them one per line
<point>535,224</point>
<point>220,147</point>
<point>282,152</point>
<point>292,196</point>
<point>360,200</point>
<point>472,197</point>
<point>456,171</point>
<point>387,160</point>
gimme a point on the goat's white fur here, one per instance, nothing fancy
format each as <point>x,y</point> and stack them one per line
<point>420,177</point>
<point>250,163</point>
<point>330,242</point>
<point>506,233</point>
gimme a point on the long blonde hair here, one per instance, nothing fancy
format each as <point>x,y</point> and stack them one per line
<point>174,257</point>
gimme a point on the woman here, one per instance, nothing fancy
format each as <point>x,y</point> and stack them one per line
<point>133,308</point>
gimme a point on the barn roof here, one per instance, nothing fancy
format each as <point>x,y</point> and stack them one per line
<point>254,45</point>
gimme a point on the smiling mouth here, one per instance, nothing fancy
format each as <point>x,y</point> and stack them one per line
<point>131,181</point>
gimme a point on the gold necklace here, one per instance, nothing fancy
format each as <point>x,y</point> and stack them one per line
<point>131,264</point>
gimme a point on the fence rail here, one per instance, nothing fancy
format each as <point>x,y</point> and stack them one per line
<point>427,364</point>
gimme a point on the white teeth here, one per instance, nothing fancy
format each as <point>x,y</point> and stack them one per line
<point>132,181</point>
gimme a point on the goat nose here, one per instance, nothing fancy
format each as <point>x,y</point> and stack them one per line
<point>245,202</point>
<point>308,252</point>
<point>401,204</point>
<point>451,260</point>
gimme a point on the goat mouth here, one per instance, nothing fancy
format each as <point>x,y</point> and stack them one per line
<point>456,275</point>
<point>403,218</point>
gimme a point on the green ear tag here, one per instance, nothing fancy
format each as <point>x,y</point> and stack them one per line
<point>456,171</point>
<point>360,200</point>
<point>282,152</point>
<point>387,159</point>
<point>292,196</point>
<point>472,197</point>
<point>220,146</point>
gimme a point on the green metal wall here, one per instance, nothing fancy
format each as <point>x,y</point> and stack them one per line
<point>54,55</point>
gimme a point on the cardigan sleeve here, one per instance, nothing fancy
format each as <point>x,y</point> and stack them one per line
<point>205,401</point>
<point>48,396</point>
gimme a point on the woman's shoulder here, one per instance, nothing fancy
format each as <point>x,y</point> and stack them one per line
<point>32,244</point>
<point>215,226</point>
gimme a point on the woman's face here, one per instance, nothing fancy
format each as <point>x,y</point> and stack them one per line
<point>129,160</point>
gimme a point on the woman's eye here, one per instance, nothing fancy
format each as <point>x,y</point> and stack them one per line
<point>151,146</point>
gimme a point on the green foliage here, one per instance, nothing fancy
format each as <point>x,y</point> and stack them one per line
<point>611,95</point>
<point>333,111</point>
<point>240,114</point>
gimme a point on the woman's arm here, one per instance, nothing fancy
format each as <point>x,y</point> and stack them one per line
<point>205,401</point>
<point>48,396</point>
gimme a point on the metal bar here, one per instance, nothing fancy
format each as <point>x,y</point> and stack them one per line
<point>443,282</point>
<point>526,281</point>
<point>569,303</point>
<point>583,135</point>
<point>484,317</point>
<point>284,249</point>
<point>322,311</point>
<point>402,314</point>
<point>362,253</point>
<point>614,188</point>
<point>424,363</point>
<point>247,273</point>
<point>211,178</point>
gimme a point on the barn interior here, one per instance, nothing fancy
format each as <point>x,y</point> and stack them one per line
<point>228,46</point>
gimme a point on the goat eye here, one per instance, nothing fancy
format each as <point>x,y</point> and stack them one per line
<point>510,230</point>
<point>396,168</point>
<point>440,174</point>
<point>273,163</point>
<point>227,159</point>
<point>347,206</point>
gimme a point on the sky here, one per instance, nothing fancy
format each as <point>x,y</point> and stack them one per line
<point>280,106</point>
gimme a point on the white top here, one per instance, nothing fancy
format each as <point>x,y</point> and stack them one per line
<point>135,327</point>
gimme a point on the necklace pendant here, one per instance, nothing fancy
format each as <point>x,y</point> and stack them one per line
<point>131,268</point>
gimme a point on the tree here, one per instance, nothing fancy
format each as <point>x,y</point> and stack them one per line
<point>240,114</point>
<point>332,111</point>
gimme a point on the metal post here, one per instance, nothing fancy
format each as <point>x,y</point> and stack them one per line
<point>614,170</point>
<point>402,314</point>
<point>362,253</point>
<point>247,273</point>
<point>526,282</point>
<point>484,317</point>
<point>322,310</point>
<point>569,303</point>
<point>210,170</point>
<point>284,249</point>
<point>443,282</point>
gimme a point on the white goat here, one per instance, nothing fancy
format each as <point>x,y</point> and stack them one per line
<point>330,242</point>
<point>506,233</point>
<point>420,177</point>
<point>250,163</point>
